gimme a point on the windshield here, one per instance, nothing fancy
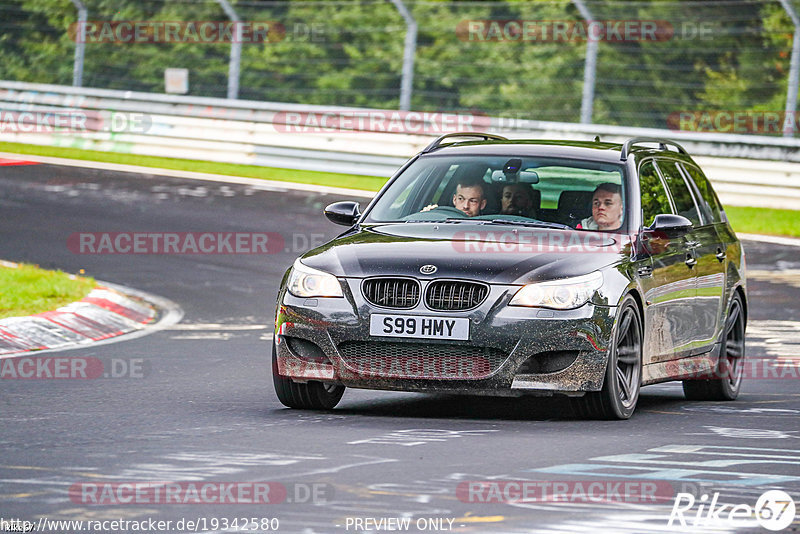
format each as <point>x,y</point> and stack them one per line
<point>509,189</point>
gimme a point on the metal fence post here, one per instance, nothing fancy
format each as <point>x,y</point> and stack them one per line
<point>794,71</point>
<point>80,43</point>
<point>409,52</point>
<point>590,67</point>
<point>236,50</point>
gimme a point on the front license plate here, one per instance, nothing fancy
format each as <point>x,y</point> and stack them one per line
<point>419,326</point>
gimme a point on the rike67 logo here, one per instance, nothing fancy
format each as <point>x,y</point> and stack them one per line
<point>774,510</point>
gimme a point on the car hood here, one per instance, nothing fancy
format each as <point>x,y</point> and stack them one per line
<point>491,253</point>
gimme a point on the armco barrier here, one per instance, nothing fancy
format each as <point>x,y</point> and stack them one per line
<point>746,169</point>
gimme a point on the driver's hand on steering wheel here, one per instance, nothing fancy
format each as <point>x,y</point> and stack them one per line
<point>429,207</point>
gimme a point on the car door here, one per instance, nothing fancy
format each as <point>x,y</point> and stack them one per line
<point>716,275</point>
<point>666,281</point>
<point>702,244</point>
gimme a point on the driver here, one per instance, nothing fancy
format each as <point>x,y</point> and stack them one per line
<point>517,199</point>
<point>469,197</point>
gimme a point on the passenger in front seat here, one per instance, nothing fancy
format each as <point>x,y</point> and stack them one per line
<point>606,209</point>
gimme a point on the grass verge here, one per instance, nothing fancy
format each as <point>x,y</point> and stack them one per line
<point>331,179</point>
<point>764,221</point>
<point>747,220</point>
<point>27,289</point>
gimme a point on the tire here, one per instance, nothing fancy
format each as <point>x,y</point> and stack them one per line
<point>311,395</point>
<point>727,381</point>
<point>623,379</point>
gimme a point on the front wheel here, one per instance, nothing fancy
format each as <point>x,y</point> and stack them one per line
<point>727,381</point>
<point>623,379</point>
<point>311,395</point>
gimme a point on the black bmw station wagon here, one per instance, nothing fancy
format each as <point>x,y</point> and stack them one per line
<point>516,267</point>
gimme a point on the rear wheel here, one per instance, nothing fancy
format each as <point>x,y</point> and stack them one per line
<point>310,395</point>
<point>623,379</point>
<point>727,381</point>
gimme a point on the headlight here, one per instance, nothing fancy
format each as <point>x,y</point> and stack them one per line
<point>560,294</point>
<point>307,282</point>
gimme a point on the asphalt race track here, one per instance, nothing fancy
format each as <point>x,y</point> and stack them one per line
<point>204,410</point>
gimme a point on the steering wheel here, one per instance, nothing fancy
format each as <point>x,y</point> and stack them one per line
<point>439,213</point>
<point>448,210</point>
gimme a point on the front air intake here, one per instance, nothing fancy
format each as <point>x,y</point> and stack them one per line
<point>455,295</point>
<point>400,293</point>
<point>426,361</point>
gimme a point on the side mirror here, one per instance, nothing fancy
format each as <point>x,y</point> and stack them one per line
<point>671,225</point>
<point>345,213</point>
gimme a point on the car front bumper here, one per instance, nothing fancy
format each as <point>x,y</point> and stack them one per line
<point>511,350</point>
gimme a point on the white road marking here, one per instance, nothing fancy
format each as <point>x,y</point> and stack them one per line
<point>633,523</point>
<point>218,326</point>
<point>418,436</point>
<point>256,183</point>
<point>789,277</point>
<point>788,241</point>
<point>678,463</point>
<point>213,336</point>
<point>738,410</point>
<point>780,339</point>
<point>746,433</point>
<point>215,331</point>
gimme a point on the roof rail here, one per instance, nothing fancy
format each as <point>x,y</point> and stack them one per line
<point>626,148</point>
<point>433,146</point>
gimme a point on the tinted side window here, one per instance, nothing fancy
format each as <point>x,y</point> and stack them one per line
<point>706,192</point>
<point>654,196</point>
<point>681,196</point>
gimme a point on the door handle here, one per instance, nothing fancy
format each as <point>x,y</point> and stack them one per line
<point>691,261</point>
<point>721,254</point>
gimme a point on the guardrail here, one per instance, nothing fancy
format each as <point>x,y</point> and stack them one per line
<point>746,169</point>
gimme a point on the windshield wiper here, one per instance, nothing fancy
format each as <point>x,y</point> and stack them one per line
<point>453,220</point>
<point>532,224</point>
